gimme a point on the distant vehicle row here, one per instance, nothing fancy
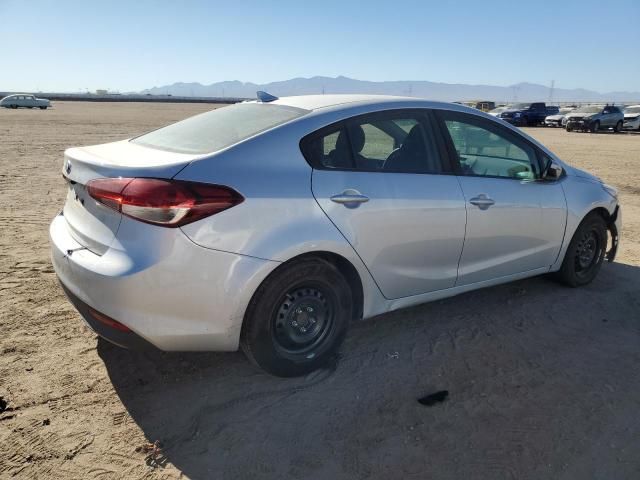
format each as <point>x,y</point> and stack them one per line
<point>24,100</point>
<point>592,118</point>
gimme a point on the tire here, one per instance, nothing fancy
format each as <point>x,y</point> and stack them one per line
<point>585,253</point>
<point>297,318</point>
<point>15,107</point>
<point>524,122</point>
<point>618,127</point>
<point>595,127</point>
<point>569,129</point>
<point>43,108</point>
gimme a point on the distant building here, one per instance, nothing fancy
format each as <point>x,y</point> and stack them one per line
<point>101,92</point>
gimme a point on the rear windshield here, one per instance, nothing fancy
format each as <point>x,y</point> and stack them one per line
<point>220,128</point>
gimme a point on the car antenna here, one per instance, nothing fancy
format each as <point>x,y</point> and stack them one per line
<point>265,97</point>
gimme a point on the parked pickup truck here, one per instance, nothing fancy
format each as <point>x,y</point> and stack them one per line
<point>526,114</point>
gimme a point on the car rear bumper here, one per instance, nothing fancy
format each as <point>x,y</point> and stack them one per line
<point>171,293</point>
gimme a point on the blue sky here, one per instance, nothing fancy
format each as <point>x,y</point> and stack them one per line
<point>130,45</point>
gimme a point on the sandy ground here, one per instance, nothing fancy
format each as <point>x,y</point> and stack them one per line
<point>543,379</point>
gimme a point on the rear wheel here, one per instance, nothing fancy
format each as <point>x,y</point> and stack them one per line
<point>585,253</point>
<point>297,319</point>
<point>618,127</point>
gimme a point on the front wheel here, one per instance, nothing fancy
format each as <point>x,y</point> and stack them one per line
<point>297,318</point>
<point>585,253</point>
<point>618,127</point>
<point>595,127</point>
<point>43,108</point>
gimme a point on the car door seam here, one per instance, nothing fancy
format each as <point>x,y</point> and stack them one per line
<point>464,238</point>
<point>343,236</point>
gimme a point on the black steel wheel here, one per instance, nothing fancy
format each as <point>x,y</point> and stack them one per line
<point>585,253</point>
<point>304,318</point>
<point>297,318</point>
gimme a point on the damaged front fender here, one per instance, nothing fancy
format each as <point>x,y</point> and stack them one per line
<point>613,226</point>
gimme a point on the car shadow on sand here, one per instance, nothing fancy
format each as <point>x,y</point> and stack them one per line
<point>540,378</point>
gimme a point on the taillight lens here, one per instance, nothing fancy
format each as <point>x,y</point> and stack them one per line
<point>169,203</point>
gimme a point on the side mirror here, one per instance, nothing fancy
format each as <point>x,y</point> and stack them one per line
<point>553,172</point>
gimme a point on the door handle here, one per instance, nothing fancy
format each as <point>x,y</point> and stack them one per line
<point>482,201</point>
<point>350,197</point>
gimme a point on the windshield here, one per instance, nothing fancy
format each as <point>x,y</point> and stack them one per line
<point>588,109</point>
<point>520,106</point>
<point>219,128</point>
<point>632,109</point>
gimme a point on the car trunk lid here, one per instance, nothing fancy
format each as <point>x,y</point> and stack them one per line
<point>92,224</point>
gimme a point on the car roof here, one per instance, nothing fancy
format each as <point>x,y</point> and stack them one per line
<point>314,102</point>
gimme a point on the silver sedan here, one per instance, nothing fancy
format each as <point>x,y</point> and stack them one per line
<point>272,225</point>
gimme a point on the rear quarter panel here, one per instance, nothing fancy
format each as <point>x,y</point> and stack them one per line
<point>279,218</point>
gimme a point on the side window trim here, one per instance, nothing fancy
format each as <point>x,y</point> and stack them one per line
<point>509,135</point>
<point>425,116</point>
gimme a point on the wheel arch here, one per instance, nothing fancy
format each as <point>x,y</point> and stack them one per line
<point>341,263</point>
<point>581,203</point>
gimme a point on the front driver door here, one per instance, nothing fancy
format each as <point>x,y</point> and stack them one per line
<point>515,221</point>
<point>381,181</point>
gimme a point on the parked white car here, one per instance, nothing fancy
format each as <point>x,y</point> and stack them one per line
<point>559,119</point>
<point>631,118</point>
<point>24,100</point>
<point>497,111</point>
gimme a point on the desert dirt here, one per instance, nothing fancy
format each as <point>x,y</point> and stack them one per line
<point>543,380</point>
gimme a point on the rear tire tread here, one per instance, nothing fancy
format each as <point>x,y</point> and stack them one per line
<point>251,338</point>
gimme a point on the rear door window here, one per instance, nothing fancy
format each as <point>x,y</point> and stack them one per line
<point>401,142</point>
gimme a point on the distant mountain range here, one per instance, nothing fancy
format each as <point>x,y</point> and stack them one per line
<point>526,92</point>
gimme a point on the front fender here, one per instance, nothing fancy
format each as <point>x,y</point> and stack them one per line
<point>583,196</point>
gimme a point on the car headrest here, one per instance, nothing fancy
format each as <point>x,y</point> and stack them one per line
<point>356,134</point>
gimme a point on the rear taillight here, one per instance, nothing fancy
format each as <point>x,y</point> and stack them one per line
<point>169,203</point>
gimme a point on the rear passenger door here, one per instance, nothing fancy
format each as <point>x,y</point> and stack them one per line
<point>382,181</point>
<point>515,220</point>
